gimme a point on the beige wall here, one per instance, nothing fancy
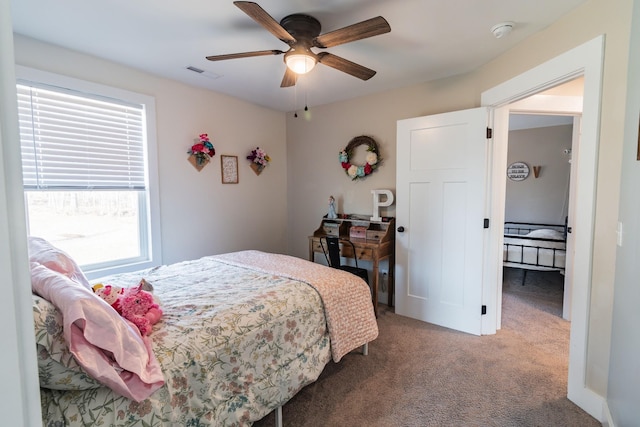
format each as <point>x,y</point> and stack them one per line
<point>543,199</point>
<point>313,144</point>
<point>199,215</point>
<point>623,392</point>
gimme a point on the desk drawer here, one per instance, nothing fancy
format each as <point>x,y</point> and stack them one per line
<point>331,229</point>
<point>362,253</point>
<point>345,250</point>
<point>316,245</point>
<point>375,235</point>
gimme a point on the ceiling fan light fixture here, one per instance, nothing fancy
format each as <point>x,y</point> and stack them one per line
<point>301,33</point>
<point>300,63</point>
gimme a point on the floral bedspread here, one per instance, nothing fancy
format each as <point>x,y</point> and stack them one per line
<point>234,343</point>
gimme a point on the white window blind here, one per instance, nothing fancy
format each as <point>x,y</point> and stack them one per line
<point>75,141</point>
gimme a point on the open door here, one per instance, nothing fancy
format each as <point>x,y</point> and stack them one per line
<point>429,297</point>
<point>440,187</point>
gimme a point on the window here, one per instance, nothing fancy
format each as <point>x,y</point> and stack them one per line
<point>86,171</point>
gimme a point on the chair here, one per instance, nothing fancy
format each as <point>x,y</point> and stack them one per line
<point>332,255</point>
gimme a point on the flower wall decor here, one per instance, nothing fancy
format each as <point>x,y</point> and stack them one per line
<point>201,152</point>
<point>373,158</point>
<point>259,160</point>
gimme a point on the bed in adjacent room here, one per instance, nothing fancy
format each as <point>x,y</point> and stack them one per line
<point>240,335</point>
<point>534,246</point>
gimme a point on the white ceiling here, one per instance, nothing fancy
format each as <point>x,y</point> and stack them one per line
<point>429,39</point>
<point>529,121</point>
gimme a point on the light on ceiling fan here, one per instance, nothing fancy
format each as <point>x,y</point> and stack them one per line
<point>300,63</point>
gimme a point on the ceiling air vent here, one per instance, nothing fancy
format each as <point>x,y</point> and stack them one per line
<point>204,73</point>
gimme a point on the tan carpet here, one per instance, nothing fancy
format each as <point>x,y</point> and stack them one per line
<point>418,374</point>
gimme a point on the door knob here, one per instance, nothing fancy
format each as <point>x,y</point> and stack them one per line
<point>401,229</point>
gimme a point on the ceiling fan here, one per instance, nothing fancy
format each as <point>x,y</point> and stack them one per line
<point>302,32</point>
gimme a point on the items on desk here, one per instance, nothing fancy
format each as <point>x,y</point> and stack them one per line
<point>377,203</point>
<point>332,208</point>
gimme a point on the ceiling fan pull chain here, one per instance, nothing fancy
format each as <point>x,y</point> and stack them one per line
<point>295,100</point>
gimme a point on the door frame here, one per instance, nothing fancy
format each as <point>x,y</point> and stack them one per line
<point>19,368</point>
<point>585,60</point>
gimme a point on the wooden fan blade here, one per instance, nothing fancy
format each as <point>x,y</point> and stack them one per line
<point>345,66</point>
<point>244,55</point>
<point>289,78</point>
<point>362,30</point>
<point>259,15</point>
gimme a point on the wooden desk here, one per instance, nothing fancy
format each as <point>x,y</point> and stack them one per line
<point>378,245</point>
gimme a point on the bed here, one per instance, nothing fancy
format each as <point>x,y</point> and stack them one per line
<point>241,334</point>
<point>534,246</point>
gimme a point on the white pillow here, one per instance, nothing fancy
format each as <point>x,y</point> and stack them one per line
<point>546,234</point>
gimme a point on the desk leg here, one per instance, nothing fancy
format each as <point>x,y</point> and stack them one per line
<point>391,286</point>
<point>375,284</point>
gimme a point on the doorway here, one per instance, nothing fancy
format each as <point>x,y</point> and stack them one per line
<point>541,204</point>
<point>537,207</point>
<point>552,121</point>
<point>584,60</point>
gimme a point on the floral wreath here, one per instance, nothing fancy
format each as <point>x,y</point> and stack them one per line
<point>373,157</point>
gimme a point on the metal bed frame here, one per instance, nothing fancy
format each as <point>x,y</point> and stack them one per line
<point>515,230</point>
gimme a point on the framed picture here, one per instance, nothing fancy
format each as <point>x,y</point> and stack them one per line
<point>229,169</point>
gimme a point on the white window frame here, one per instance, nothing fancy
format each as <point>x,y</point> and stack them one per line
<point>152,229</point>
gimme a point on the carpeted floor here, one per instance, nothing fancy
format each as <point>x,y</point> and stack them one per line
<point>418,374</point>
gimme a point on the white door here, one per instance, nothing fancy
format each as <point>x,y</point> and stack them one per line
<point>440,210</point>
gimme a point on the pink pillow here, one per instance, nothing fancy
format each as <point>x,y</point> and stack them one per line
<point>109,348</point>
<point>43,252</point>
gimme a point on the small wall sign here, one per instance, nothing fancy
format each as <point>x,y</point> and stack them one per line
<point>518,171</point>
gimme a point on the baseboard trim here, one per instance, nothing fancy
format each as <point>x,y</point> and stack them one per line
<point>588,400</point>
<point>606,414</point>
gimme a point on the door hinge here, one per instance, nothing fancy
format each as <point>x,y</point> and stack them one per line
<point>489,133</point>
<point>486,223</point>
<point>484,310</point>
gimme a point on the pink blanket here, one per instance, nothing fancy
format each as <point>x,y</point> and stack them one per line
<point>109,348</point>
<point>347,300</point>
